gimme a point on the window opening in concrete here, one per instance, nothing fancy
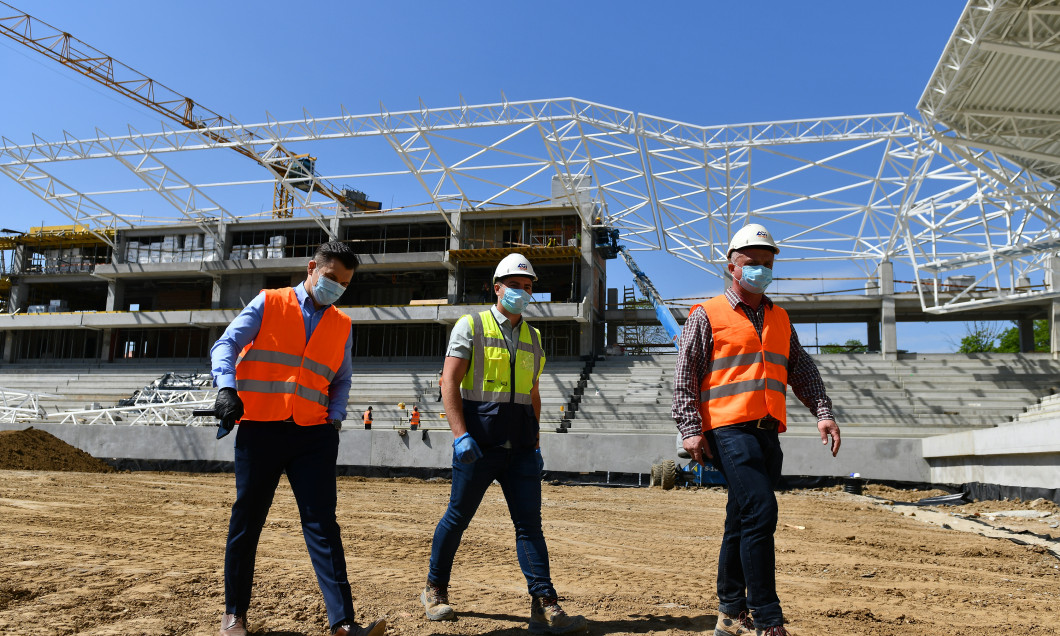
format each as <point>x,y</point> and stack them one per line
<point>168,294</point>
<point>549,231</point>
<point>153,344</point>
<point>398,238</point>
<point>290,243</point>
<point>399,340</point>
<point>58,344</point>
<point>66,260</point>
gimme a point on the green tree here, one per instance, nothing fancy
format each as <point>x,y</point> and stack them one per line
<point>979,337</point>
<point>1009,340</point>
<point>851,346</point>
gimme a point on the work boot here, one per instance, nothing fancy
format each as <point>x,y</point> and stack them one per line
<point>776,630</point>
<point>741,625</point>
<point>547,617</point>
<point>435,599</point>
<point>234,625</point>
<point>351,628</point>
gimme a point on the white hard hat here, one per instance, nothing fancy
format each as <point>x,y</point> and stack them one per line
<point>514,265</point>
<point>752,235</point>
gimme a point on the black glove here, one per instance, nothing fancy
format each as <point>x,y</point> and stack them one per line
<point>227,408</point>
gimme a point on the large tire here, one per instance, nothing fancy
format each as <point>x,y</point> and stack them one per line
<point>655,479</point>
<point>668,474</point>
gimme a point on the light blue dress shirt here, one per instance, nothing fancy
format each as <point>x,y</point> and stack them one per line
<point>245,328</point>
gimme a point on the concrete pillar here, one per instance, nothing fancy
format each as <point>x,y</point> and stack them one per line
<point>453,288</point>
<point>223,246</point>
<point>888,324</point>
<point>9,347</point>
<point>612,330</point>
<point>19,298</point>
<point>1026,330</point>
<point>873,333</point>
<point>105,341</point>
<point>115,295</point>
<point>215,293</point>
<point>1052,284</point>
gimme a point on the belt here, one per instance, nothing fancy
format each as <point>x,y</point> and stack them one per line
<point>767,423</point>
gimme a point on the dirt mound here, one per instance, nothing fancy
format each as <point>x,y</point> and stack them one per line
<point>34,449</point>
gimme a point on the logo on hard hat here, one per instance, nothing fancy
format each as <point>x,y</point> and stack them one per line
<point>521,265</point>
<point>762,233</point>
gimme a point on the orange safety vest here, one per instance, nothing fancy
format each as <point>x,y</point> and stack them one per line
<point>367,417</point>
<point>279,375</point>
<point>415,421</point>
<point>748,375</point>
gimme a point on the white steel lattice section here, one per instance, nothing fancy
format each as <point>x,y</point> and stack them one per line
<point>857,190</point>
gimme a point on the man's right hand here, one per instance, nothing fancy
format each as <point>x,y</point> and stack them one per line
<point>697,447</point>
<point>466,450</point>
<point>228,407</point>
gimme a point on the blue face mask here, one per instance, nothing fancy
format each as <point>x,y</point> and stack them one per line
<point>327,291</point>
<point>515,300</point>
<point>755,278</point>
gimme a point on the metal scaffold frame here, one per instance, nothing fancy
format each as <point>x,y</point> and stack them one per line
<point>969,226</point>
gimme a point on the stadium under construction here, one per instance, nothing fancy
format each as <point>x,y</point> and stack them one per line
<point>949,214</point>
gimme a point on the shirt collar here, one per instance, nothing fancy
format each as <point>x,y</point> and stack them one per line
<point>304,299</point>
<point>735,301</point>
<point>499,317</point>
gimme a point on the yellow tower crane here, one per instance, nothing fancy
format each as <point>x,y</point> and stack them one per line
<point>297,170</point>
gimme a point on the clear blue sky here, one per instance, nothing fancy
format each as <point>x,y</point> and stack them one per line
<point>704,62</point>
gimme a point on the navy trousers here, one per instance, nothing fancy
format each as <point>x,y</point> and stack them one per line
<point>750,459</point>
<point>518,473</point>
<point>263,451</point>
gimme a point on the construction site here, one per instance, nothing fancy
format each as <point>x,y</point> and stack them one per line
<point>948,214</point>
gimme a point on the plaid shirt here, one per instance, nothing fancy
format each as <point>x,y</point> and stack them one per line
<point>693,364</point>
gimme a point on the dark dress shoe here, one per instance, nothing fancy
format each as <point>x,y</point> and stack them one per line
<point>377,628</point>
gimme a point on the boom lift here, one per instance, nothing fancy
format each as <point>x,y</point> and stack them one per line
<point>290,170</point>
<point>605,240</point>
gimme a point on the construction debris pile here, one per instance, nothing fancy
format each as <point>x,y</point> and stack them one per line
<point>34,449</point>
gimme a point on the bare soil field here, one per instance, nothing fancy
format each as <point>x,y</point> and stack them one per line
<point>141,553</point>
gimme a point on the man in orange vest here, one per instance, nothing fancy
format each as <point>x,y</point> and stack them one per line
<point>414,419</point>
<point>283,367</point>
<point>367,417</point>
<point>738,354</point>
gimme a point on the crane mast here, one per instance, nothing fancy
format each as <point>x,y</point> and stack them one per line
<point>295,169</point>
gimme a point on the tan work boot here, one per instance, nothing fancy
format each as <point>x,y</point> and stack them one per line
<point>741,625</point>
<point>547,617</point>
<point>234,625</point>
<point>435,600</point>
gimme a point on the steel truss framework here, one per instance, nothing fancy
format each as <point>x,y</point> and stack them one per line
<point>970,227</point>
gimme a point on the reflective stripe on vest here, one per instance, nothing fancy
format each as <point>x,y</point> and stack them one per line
<point>489,374</point>
<point>747,377</point>
<point>279,375</point>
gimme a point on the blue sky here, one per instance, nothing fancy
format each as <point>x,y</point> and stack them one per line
<point>702,62</point>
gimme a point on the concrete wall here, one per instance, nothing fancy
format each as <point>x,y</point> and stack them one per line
<point>1017,454</point>
<point>883,459</point>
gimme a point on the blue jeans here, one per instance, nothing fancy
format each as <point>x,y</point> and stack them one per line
<point>520,480</point>
<point>264,451</point>
<point>750,459</point>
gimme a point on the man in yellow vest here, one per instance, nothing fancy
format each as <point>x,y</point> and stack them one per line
<point>283,367</point>
<point>738,354</point>
<point>490,393</point>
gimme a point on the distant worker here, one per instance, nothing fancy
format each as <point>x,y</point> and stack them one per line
<point>414,419</point>
<point>367,418</point>
<point>485,294</point>
<point>289,426</point>
<point>492,401</point>
<point>738,353</point>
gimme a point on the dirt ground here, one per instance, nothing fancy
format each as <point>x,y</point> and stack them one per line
<point>141,553</point>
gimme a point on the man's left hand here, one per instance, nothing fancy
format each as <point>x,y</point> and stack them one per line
<point>828,428</point>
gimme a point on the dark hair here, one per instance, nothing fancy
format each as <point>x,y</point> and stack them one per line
<point>336,250</point>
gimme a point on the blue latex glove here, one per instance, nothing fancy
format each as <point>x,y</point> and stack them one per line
<point>540,460</point>
<point>467,451</point>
